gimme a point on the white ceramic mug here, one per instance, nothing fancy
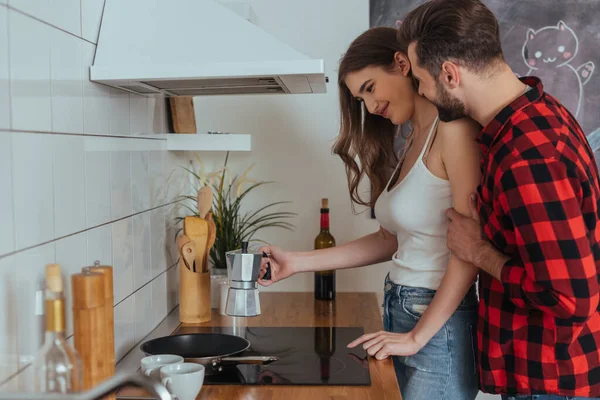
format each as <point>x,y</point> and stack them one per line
<point>151,365</point>
<point>183,381</point>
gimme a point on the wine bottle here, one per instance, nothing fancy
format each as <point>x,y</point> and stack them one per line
<point>324,280</point>
<point>325,336</point>
<point>57,366</point>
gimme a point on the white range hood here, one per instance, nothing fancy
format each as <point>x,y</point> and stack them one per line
<point>196,47</point>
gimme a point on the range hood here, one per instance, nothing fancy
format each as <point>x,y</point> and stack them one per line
<point>196,47</point>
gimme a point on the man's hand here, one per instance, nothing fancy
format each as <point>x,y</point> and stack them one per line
<point>464,233</point>
<point>465,240</point>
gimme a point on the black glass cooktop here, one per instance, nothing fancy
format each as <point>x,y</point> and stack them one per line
<point>307,356</point>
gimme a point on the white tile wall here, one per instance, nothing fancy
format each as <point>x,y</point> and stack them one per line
<point>66,15</point>
<point>119,112</point>
<point>124,327</point>
<point>159,298</point>
<point>33,196</point>
<point>99,245</point>
<point>4,96</point>
<point>140,182</point>
<point>29,57</point>
<point>138,122</point>
<point>91,15</point>
<point>143,312</point>
<point>97,187</point>
<point>71,254</point>
<point>8,322</point>
<point>35,8</point>
<point>122,241</point>
<point>96,99</point>
<point>157,240</point>
<point>66,72</point>
<point>156,171</point>
<point>142,264</point>
<point>120,180</point>
<point>70,192</point>
<point>7,239</point>
<point>69,184</point>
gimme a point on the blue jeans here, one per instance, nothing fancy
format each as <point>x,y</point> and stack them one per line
<point>445,369</point>
<point>541,397</point>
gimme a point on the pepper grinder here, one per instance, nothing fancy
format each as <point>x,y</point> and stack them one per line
<point>89,325</point>
<point>109,318</point>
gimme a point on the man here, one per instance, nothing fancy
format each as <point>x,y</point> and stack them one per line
<point>538,207</point>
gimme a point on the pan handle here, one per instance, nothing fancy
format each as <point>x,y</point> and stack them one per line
<point>261,360</point>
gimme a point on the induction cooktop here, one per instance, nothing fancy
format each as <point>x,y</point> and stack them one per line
<point>307,356</point>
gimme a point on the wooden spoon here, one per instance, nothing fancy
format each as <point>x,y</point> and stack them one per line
<point>212,235</point>
<point>189,255</point>
<point>205,198</point>
<point>186,250</point>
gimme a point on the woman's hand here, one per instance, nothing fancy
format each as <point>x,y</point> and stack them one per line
<point>383,344</point>
<point>282,264</point>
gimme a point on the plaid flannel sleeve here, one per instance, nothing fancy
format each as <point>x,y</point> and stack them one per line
<point>554,269</point>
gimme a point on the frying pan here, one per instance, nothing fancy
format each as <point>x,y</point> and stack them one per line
<point>213,350</point>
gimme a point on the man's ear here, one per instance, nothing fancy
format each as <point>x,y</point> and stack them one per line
<point>450,74</point>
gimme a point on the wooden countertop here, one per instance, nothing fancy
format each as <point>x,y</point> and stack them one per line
<point>297,309</point>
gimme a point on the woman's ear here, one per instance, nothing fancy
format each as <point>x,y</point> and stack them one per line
<point>402,63</point>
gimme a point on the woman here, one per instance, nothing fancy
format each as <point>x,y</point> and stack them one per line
<point>429,302</point>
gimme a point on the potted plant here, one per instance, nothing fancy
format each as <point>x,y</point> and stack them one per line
<point>233,226</point>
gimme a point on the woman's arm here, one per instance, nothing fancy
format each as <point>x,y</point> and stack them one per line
<point>374,248</point>
<point>460,155</point>
<point>370,249</point>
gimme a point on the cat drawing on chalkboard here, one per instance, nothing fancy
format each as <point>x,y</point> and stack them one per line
<point>548,53</point>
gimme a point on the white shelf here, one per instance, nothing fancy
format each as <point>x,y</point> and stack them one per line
<point>207,142</point>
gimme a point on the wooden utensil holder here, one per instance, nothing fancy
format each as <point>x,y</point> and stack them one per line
<point>194,296</point>
<point>194,287</point>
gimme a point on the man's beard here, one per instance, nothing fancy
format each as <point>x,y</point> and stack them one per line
<point>449,108</point>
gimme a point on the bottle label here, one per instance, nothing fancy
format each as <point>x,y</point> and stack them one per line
<point>55,315</point>
<point>324,220</point>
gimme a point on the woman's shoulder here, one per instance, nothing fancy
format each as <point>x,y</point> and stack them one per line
<point>458,138</point>
<point>463,127</point>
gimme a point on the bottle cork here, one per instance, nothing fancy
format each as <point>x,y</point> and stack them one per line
<point>89,325</point>
<point>54,278</point>
<point>109,318</point>
<point>324,203</point>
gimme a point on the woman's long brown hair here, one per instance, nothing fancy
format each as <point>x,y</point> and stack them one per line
<point>366,141</point>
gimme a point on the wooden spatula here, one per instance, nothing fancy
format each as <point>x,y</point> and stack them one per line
<point>205,198</point>
<point>210,241</point>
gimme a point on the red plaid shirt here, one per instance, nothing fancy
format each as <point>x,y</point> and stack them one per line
<point>539,200</point>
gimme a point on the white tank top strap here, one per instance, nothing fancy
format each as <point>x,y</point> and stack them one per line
<point>432,130</point>
<point>421,154</point>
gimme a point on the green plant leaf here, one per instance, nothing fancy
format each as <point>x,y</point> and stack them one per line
<point>232,226</point>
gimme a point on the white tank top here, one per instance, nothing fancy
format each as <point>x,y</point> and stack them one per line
<point>414,209</point>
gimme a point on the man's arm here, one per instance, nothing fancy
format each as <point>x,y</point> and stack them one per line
<point>489,259</point>
<point>554,270</point>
